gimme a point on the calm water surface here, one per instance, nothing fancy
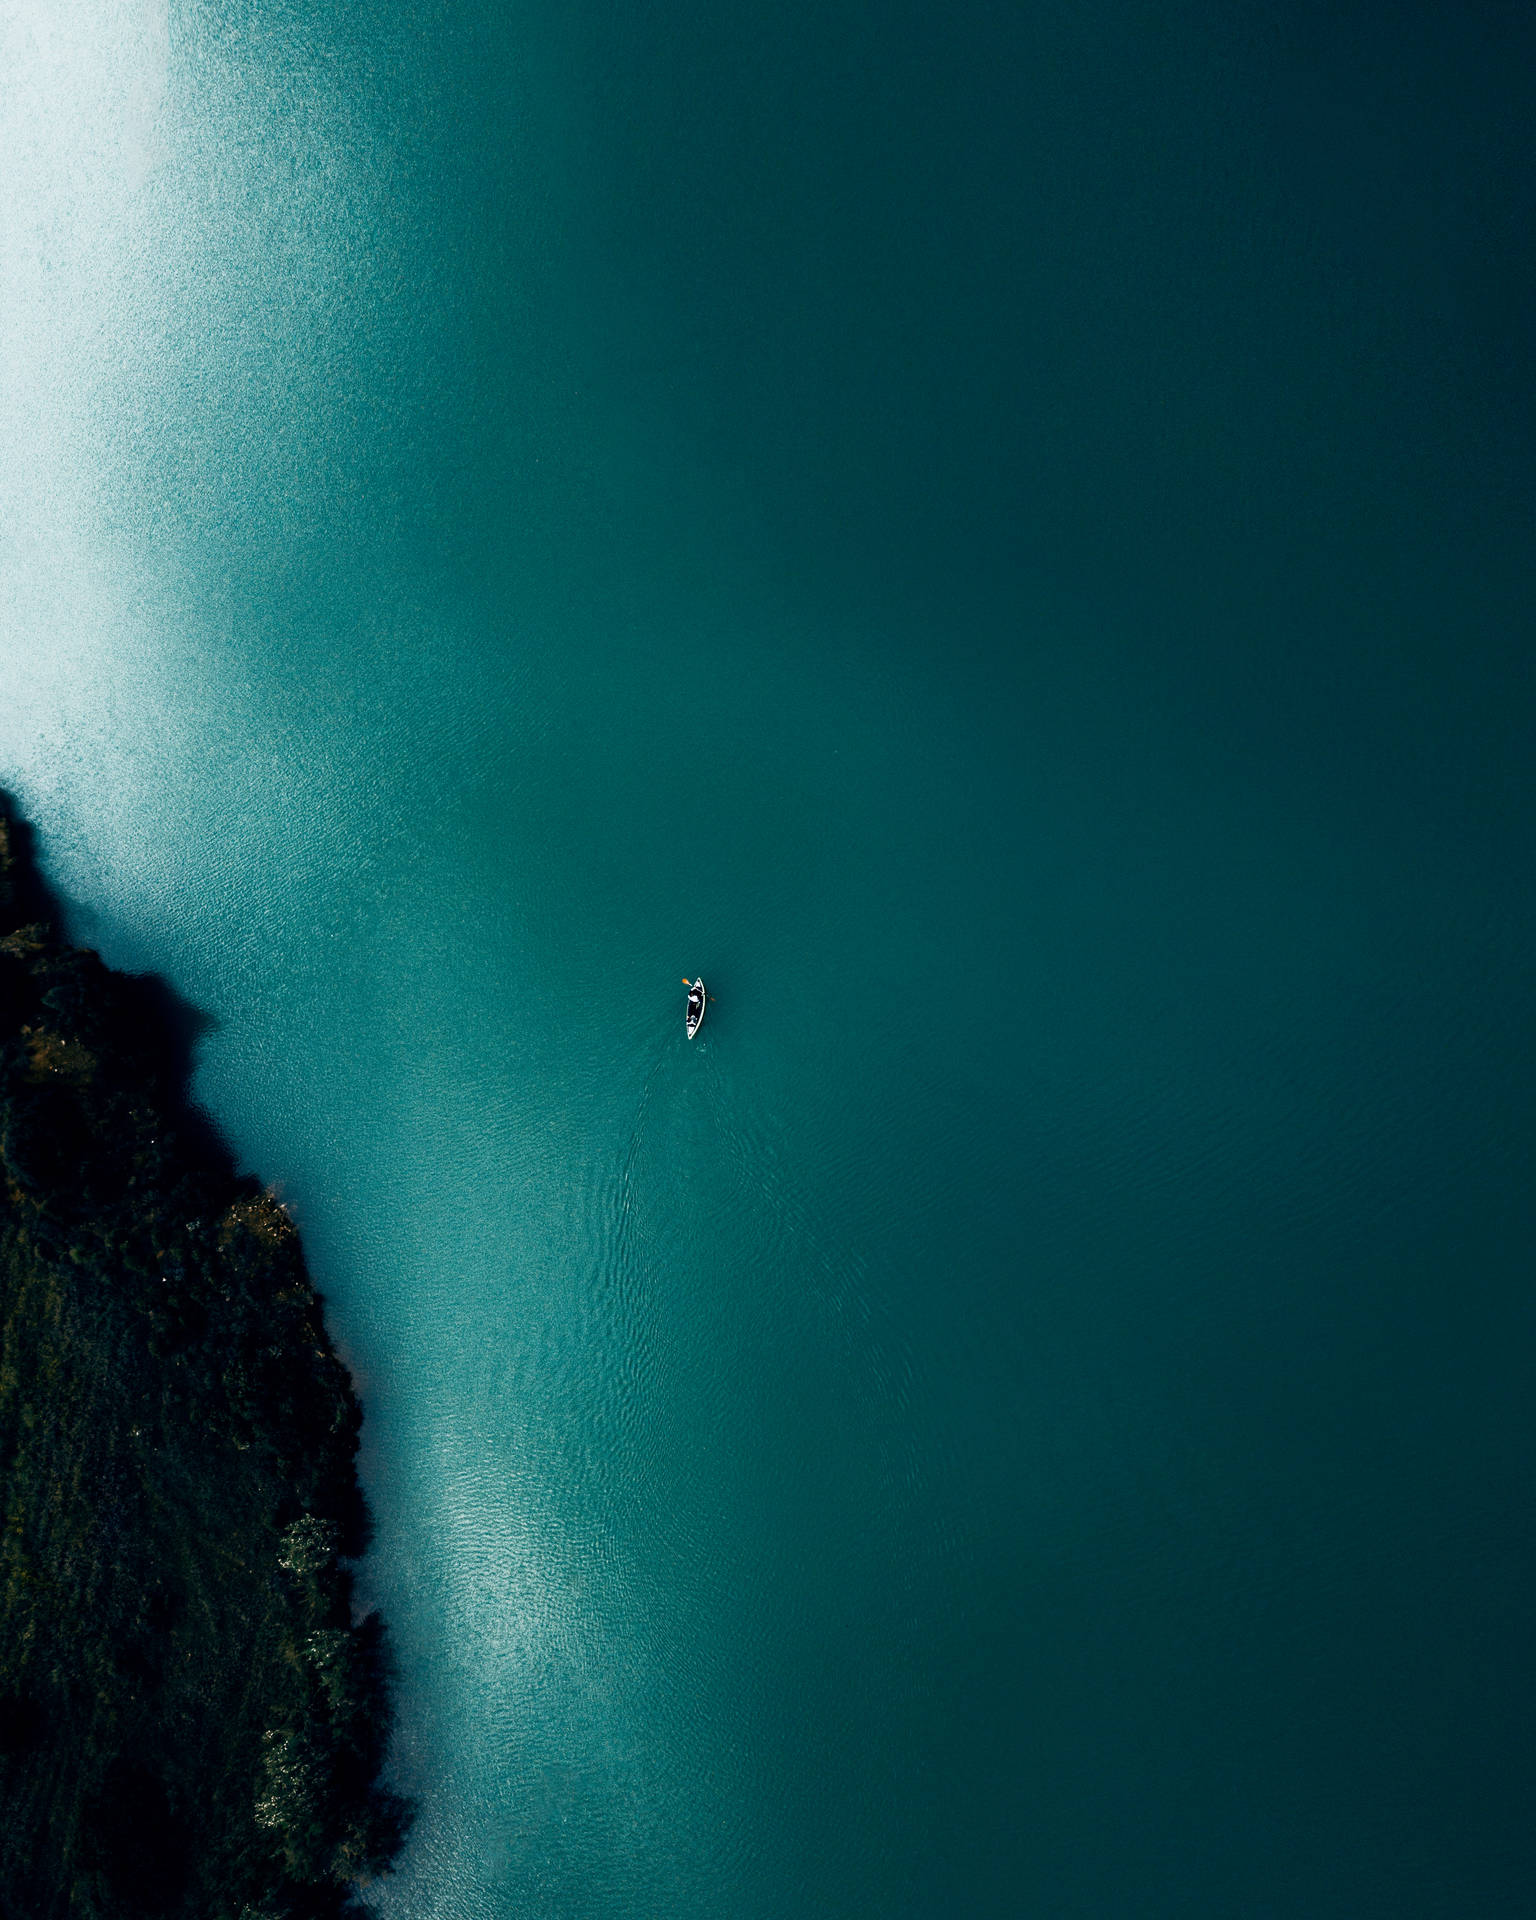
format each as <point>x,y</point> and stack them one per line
<point>1001,537</point>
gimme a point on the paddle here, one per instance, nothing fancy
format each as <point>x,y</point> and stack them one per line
<point>689,983</point>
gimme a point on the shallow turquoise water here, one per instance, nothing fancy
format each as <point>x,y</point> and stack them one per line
<point>1003,541</point>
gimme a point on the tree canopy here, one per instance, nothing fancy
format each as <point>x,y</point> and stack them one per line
<point>192,1722</point>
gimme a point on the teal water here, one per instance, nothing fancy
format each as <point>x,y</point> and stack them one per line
<point>1001,537</point>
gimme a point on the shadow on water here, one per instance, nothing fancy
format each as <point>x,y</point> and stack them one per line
<point>184,1027</point>
<point>22,889</point>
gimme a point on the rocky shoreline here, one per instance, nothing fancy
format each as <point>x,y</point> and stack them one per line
<point>192,1722</point>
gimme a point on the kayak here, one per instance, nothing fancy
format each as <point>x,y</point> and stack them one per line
<point>697,1001</point>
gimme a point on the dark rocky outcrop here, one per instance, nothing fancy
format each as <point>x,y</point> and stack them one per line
<point>191,1722</point>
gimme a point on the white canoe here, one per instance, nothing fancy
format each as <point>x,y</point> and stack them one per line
<point>697,1001</point>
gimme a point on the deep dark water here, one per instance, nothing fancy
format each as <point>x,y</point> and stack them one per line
<point>1001,538</point>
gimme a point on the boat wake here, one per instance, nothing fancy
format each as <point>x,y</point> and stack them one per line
<point>623,1296</point>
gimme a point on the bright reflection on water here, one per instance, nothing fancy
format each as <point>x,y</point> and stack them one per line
<point>271,753</point>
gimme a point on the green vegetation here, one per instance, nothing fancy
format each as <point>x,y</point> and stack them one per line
<point>191,1723</point>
